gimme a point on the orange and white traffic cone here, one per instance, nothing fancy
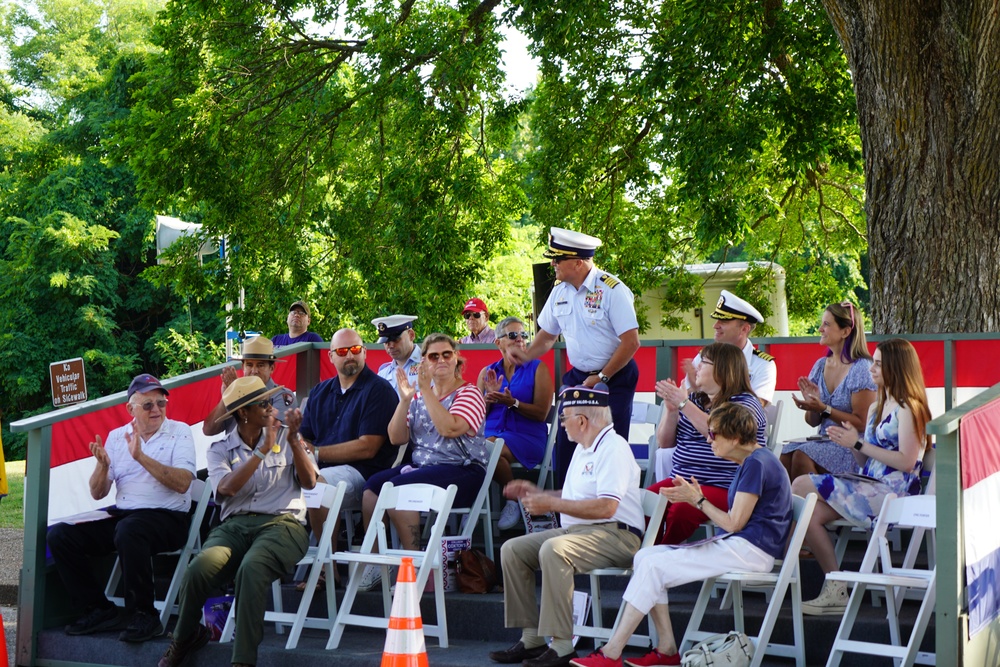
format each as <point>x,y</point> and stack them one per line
<point>404,642</point>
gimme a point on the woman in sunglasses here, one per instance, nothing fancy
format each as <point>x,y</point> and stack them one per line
<point>839,389</point>
<point>442,420</point>
<point>518,397</point>
<point>721,377</point>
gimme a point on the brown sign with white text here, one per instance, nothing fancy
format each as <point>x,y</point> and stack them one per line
<point>69,384</point>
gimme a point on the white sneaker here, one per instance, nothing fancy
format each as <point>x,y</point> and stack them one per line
<point>510,516</point>
<point>371,578</point>
<point>832,600</point>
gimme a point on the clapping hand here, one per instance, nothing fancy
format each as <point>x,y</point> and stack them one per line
<point>97,449</point>
<point>424,377</point>
<point>845,435</point>
<point>691,371</point>
<point>671,394</point>
<point>134,445</point>
<point>406,390</point>
<point>228,375</point>
<point>492,384</point>
<point>683,491</point>
<point>810,400</point>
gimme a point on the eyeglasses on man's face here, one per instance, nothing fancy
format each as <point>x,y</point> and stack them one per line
<point>514,335</point>
<point>563,417</point>
<point>474,316</point>
<point>148,405</point>
<point>434,357</point>
<point>353,349</point>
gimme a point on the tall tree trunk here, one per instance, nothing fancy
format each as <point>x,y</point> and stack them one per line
<point>927,81</point>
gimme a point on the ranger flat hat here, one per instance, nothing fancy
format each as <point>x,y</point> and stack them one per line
<point>583,395</point>
<point>243,391</point>
<point>258,347</point>
<point>567,244</point>
<point>732,307</point>
<point>391,327</point>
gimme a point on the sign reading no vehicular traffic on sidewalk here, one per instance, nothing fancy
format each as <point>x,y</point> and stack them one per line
<point>69,385</point>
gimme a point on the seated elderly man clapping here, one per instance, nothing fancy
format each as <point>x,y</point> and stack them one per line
<point>601,517</point>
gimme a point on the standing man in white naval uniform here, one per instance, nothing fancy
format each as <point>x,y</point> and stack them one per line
<point>595,313</point>
<point>735,319</point>
<point>396,334</point>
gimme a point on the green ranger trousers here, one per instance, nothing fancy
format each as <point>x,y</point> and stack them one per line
<point>253,550</point>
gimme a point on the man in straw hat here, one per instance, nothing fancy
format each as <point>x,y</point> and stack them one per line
<point>595,314</point>
<point>151,461</point>
<point>258,472</point>
<point>601,526</point>
<point>735,319</point>
<point>258,359</point>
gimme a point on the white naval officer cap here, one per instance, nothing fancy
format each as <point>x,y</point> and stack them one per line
<point>390,327</point>
<point>732,307</point>
<point>567,244</point>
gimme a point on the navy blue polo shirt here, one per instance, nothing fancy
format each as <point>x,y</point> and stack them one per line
<point>333,416</point>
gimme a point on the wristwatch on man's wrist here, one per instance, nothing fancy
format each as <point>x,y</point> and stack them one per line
<point>603,378</point>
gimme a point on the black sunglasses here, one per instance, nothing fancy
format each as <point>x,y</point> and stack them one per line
<point>475,315</point>
<point>514,335</point>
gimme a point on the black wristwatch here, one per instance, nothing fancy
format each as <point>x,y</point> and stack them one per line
<point>827,411</point>
<point>700,502</point>
<point>859,444</point>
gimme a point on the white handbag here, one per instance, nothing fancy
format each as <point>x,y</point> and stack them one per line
<point>733,649</point>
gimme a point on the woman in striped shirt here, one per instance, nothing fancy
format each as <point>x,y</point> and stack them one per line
<point>442,420</point>
<point>721,377</point>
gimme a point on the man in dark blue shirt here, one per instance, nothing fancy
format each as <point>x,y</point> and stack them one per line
<point>345,423</point>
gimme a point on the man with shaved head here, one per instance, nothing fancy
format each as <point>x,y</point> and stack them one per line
<point>346,420</point>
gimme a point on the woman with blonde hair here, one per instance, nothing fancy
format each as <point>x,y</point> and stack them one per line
<point>839,388</point>
<point>890,458</point>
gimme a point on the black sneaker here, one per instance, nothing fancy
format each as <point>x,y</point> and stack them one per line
<point>96,620</point>
<point>144,626</point>
<point>178,652</point>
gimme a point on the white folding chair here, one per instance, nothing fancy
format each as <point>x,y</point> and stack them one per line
<point>653,507</point>
<point>773,413</point>
<point>479,510</point>
<point>375,551</point>
<point>877,569</point>
<point>644,415</point>
<point>545,467</point>
<point>786,578</point>
<point>319,560</point>
<point>201,494</point>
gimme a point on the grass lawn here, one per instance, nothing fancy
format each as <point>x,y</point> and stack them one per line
<point>12,507</point>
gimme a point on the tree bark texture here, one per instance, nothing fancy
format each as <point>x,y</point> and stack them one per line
<point>927,80</point>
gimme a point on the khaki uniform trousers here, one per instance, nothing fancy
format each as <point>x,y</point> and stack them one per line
<point>559,554</point>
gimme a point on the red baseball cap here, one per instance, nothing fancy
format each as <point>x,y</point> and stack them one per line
<point>475,306</point>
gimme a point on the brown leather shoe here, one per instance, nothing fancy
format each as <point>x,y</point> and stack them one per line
<point>178,652</point>
<point>550,659</point>
<point>517,654</point>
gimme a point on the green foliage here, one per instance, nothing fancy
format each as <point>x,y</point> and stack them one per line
<point>183,353</point>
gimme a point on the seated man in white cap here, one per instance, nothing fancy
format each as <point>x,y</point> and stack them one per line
<point>595,313</point>
<point>602,524</point>
<point>735,319</point>
<point>298,327</point>
<point>477,320</point>
<point>396,333</point>
<point>258,361</point>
